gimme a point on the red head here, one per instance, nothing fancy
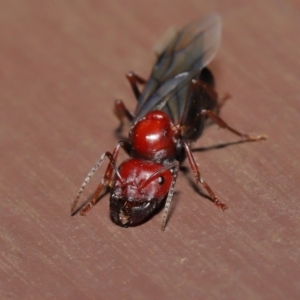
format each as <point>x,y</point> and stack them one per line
<point>138,191</point>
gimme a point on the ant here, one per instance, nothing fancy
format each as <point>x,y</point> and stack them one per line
<point>171,113</point>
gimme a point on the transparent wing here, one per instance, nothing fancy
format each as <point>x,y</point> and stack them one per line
<point>188,52</point>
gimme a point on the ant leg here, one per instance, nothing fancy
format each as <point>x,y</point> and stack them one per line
<point>214,109</point>
<point>223,124</point>
<point>121,111</point>
<point>220,103</point>
<point>106,178</point>
<point>134,80</point>
<point>88,178</point>
<point>215,102</point>
<point>120,108</point>
<point>199,179</point>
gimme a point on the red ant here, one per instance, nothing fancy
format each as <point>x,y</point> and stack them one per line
<point>170,114</point>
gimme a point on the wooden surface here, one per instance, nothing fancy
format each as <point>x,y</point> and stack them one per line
<point>62,64</point>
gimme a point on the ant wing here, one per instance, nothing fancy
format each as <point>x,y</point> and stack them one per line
<point>188,52</point>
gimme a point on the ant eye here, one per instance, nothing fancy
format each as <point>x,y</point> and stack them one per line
<point>161,180</point>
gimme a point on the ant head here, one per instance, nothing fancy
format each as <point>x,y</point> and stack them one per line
<point>139,192</point>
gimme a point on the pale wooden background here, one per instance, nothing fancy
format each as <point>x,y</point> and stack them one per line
<point>62,64</point>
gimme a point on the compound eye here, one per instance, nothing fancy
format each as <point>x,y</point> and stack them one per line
<point>161,180</point>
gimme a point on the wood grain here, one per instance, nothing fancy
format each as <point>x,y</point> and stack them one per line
<point>62,64</point>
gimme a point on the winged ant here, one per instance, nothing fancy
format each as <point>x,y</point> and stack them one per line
<point>171,113</point>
